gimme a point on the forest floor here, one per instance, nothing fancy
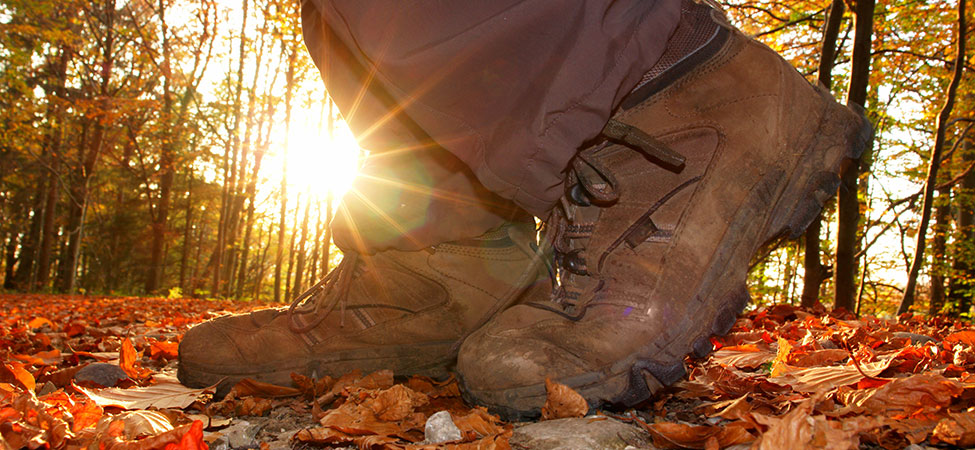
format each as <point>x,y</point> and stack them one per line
<point>98,372</point>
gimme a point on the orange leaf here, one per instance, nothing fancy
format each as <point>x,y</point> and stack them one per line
<point>16,374</point>
<point>562,402</point>
<point>681,435</point>
<point>163,349</point>
<point>127,358</point>
<point>964,337</point>
<point>39,322</point>
<point>249,387</point>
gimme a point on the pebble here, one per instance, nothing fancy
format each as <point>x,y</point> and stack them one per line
<point>441,428</point>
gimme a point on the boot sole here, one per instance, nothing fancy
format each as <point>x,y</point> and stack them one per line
<point>636,378</point>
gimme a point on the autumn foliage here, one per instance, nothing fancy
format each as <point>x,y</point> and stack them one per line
<point>92,372</point>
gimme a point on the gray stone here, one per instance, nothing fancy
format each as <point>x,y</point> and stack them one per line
<point>101,374</point>
<point>594,432</point>
<point>241,434</point>
<point>441,428</point>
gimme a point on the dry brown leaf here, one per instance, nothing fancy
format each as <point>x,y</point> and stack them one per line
<point>814,358</point>
<point>682,435</point>
<point>820,379</point>
<point>800,430</point>
<point>310,387</point>
<point>748,356</point>
<point>339,386</point>
<point>922,394</point>
<point>478,423</point>
<point>250,387</point>
<point>562,402</point>
<point>958,429</point>
<point>162,395</point>
<point>380,379</point>
<point>358,420</point>
<point>396,403</point>
<point>135,424</point>
<point>252,406</point>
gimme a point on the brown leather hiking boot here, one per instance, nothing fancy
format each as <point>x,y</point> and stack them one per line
<point>727,150</point>
<point>403,311</point>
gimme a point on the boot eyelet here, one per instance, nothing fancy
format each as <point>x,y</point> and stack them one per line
<point>578,195</point>
<point>574,262</point>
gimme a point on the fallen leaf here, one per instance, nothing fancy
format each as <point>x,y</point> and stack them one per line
<point>801,430</point>
<point>965,337</point>
<point>127,361</point>
<point>135,424</point>
<point>819,379</point>
<point>250,387</point>
<point>957,429</point>
<point>779,365</point>
<point>15,374</point>
<point>396,403</point>
<point>40,322</point>
<point>682,435</point>
<point>162,395</point>
<point>163,350</point>
<point>747,356</point>
<point>562,402</point>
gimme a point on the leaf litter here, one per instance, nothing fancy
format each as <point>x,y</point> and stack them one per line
<point>95,372</point>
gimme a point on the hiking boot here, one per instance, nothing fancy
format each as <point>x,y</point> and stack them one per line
<point>402,311</point>
<point>724,151</point>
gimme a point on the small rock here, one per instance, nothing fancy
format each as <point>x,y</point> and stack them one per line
<point>47,388</point>
<point>581,433</point>
<point>441,428</point>
<point>219,443</point>
<point>101,374</point>
<point>241,434</point>
<point>914,337</point>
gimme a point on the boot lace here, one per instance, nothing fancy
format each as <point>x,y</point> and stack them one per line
<point>593,186</point>
<point>322,298</point>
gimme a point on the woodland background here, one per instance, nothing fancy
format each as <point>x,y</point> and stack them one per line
<point>146,147</point>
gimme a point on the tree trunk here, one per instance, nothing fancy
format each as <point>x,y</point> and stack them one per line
<point>848,204</point>
<point>187,226</point>
<point>291,252</point>
<point>939,244</point>
<point>959,284</point>
<point>9,259</point>
<point>929,185</point>
<point>814,271</point>
<point>283,216</point>
<point>301,254</point>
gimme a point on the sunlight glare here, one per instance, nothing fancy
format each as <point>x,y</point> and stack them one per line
<point>317,163</point>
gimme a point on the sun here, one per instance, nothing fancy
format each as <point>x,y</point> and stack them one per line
<point>319,162</point>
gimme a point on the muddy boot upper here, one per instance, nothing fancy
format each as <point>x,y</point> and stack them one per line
<point>403,311</point>
<point>728,149</point>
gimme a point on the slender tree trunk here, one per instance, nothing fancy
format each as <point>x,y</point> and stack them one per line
<point>814,271</point>
<point>291,252</point>
<point>939,244</point>
<point>48,235</point>
<point>300,266</point>
<point>959,288</point>
<point>29,246</point>
<point>932,178</point>
<point>9,259</point>
<point>848,204</point>
<point>288,98</point>
<point>187,226</point>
